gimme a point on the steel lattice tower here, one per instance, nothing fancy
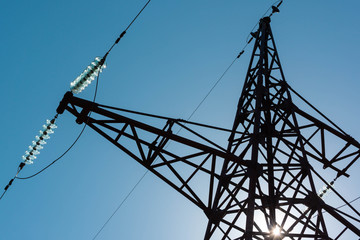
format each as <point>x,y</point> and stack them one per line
<point>263,184</point>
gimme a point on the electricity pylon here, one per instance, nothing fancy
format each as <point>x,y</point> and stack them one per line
<point>263,185</point>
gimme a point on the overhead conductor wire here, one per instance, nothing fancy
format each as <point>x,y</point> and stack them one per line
<point>22,164</point>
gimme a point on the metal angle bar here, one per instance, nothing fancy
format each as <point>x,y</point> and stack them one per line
<point>338,194</point>
<point>212,178</point>
<point>290,206</point>
<point>90,106</point>
<point>347,156</point>
<point>90,124</point>
<point>320,124</point>
<point>308,143</point>
<point>121,132</point>
<point>340,152</point>
<point>315,157</point>
<point>204,125</point>
<point>196,170</point>
<point>256,130</point>
<point>155,150</point>
<point>184,183</point>
<point>281,180</point>
<point>202,137</point>
<point>136,138</point>
<point>323,144</point>
<point>289,185</point>
<point>297,220</point>
<point>341,219</point>
<point>180,159</point>
<point>310,125</point>
<point>232,196</point>
<point>193,198</point>
<point>347,215</point>
<point>341,233</point>
<point>351,163</point>
<point>131,137</point>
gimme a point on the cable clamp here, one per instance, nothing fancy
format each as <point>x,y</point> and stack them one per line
<point>241,53</point>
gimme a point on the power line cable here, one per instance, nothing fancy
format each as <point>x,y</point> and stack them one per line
<point>275,9</point>
<point>57,159</point>
<point>120,205</point>
<point>216,83</point>
<point>67,150</point>
<point>147,171</point>
<point>127,28</point>
<point>355,199</point>
<point>22,164</point>
<point>96,88</point>
<point>238,56</point>
<point>62,155</point>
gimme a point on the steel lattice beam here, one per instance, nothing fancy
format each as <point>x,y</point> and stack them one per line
<point>264,178</point>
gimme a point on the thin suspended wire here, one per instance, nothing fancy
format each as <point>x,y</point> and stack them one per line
<point>241,52</point>
<point>12,180</point>
<point>72,145</point>
<point>137,15</point>
<point>62,155</point>
<point>216,83</point>
<point>279,2</point>
<point>147,171</point>
<point>57,159</point>
<point>355,199</point>
<point>2,194</point>
<point>117,41</point>
<point>127,28</point>
<point>120,205</point>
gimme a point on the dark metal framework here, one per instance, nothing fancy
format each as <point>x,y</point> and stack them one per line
<point>265,178</point>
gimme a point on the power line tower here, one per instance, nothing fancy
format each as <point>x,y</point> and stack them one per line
<point>263,185</point>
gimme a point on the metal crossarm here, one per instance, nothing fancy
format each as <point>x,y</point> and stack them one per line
<point>147,145</point>
<point>265,183</point>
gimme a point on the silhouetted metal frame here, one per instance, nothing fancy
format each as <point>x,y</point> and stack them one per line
<point>246,183</point>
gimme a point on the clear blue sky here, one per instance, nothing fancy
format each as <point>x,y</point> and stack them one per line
<point>165,65</point>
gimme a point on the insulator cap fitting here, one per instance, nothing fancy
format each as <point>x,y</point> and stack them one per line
<point>64,102</point>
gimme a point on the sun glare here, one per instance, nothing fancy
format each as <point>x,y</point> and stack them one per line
<point>276,231</point>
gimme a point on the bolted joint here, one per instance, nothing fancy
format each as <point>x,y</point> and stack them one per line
<point>64,102</point>
<point>266,20</point>
<point>260,89</point>
<point>268,201</point>
<point>313,201</point>
<point>82,116</point>
<point>224,180</point>
<point>254,34</point>
<point>254,170</point>
<point>214,215</point>
<point>287,106</point>
<point>257,139</point>
<point>268,130</point>
<point>242,116</point>
<point>305,167</point>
